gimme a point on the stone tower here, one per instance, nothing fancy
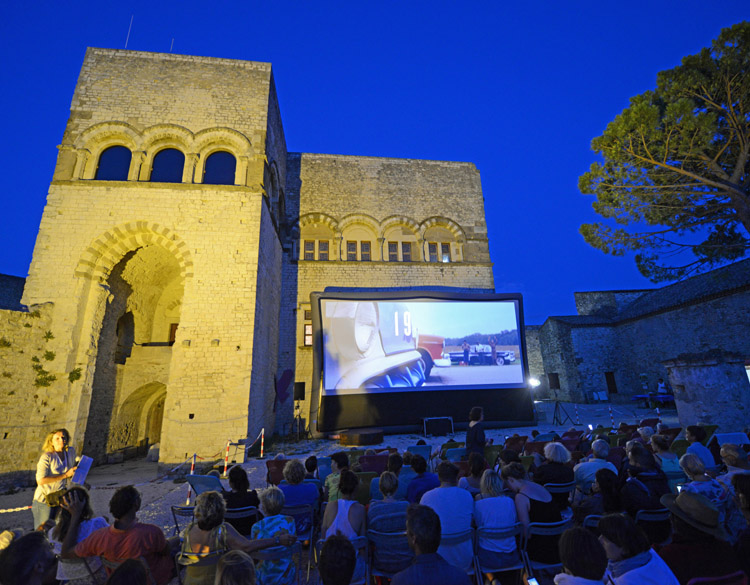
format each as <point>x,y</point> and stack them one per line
<point>158,254</point>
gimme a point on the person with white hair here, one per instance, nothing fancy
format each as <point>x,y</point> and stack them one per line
<point>585,473</point>
<point>555,470</point>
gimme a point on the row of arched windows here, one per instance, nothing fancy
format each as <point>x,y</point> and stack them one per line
<point>168,166</point>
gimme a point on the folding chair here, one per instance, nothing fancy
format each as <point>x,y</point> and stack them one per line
<point>97,576</point>
<point>526,461</point>
<point>491,453</point>
<point>658,515</point>
<point>679,447</point>
<point>237,513</point>
<point>181,512</point>
<point>456,538</point>
<point>301,512</point>
<point>277,553</point>
<point>532,447</point>
<point>423,450</point>
<point>561,488</point>
<point>543,529</point>
<point>649,422</point>
<point>655,523</point>
<point>456,454</point>
<point>376,463</point>
<point>324,468</point>
<point>360,545</point>
<point>513,531</point>
<point>204,483</point>
<point>111,565</point>
<point>362,495</point>
<point>275,472</point>
<point>592,521</point>
<point>710,430</point>
<point>516,444</point>
<point>738,578</point>
<point>450,445</point>
<point>389,553</point>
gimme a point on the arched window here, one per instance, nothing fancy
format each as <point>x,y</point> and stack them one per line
<point>220,168</point>
<point>168,166</point>
<point>114,164</point>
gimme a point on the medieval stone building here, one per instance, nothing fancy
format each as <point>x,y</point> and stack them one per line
<point>168,294</point>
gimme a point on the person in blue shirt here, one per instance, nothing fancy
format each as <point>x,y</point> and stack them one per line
<point>423,482</point>
<point>696,435</point>
<point>429,568</point>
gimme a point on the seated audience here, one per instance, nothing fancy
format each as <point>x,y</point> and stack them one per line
<point>131,572</point>
<point>604,497</point>
<point>455,507</point>
<point>311,467</point>
<point>631,559</point>
<point>388,506</point>
<point>209,536</point>
<point>29,560</point>
<point>700,483</point>
<point>339,462</point>
<point>346,516</point>
<point>235,568</point>
<point>423,482</point>
<point>338,560</point>
<point>404,473</point>
<point>494,510</point>
<point>240,496</point>
<point>645,484</point>
<point>667,461</point>
<point>699,546</point>
<point>275,526</point>
<point>583,558</point>
<point>735,458</point>
<point>585,472</point>
<point>477,465</point>
<point>644,435</point>
<point>125,539</point>
<point>298,493</point>
<point>77,573</point>
<point>509,456</point>
<point>533,504</point>
<point>695,435</point>
<point>423,531</point>
<point>741,485</point>
<point>555,470</point>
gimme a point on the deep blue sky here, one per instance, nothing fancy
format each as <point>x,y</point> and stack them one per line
<point>518,90</point>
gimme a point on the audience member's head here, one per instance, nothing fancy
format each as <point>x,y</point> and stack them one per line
<point>475,414</point>
<point>348,483</point>
<point>126,501</point>
<point>408,457</point>
<point>661,427</point>
<point>209,510</point>
<point>311,464</point>
<point>337,561</point>
<point>692,465</point>
<point>646,433</point>
<point>734,456</point>
<point>695,518</point>
<point>370,452</point>
<point>509,456</point>
<point>513,474</point>
<point>294,472</point>
<point>395,463</point>
<point>534,434</point>
<point>421,442</point>
<point>621,537</point>
<point>28,560</point>
<point>477,465</point>
<point>660,443</point>
<point>271,501</point>
<point>447,473</point>
<point>695,433</point>
<point>608,485</point>
<point>63,516</point>
<point>238,481</point>
<point>582,555</point>
<point>556,453</point>
<point>341,460</point>
<point>214,473</point>
<point>388,483</point>
<point>130,572</point>
<point>600,449</point>
<point>418,464</point>
<point>422,529</point>
<point>491,484</point>
<point>641,459</point>
<point>741,485</point>
<point>235,568</point>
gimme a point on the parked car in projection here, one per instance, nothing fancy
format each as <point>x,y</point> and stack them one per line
<point>372,345</point>
<point>432,348</point>
<point>481,355</point>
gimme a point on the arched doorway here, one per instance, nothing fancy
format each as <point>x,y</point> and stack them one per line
<point>134,353</point>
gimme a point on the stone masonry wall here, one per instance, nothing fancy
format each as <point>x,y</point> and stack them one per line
<point>605,303</point>
<point>536,363</point>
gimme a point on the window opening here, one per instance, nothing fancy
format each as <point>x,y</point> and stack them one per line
<point>445,249</point>
<point>351,251</point>
<point>392,251</point>
<point>611,384</point>
<point>554,381</point>
<point>323,250</point>
<point>114,164</point>
<point>365,251</point>
<point>220,169</point>
<point>168,166</point>
<point>406,251</point>
<point>432,249</point>
<point>309,249</point>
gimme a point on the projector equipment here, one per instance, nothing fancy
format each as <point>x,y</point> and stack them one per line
<point>438,426</point>
<point>299,394</point>
<point>557,416</point>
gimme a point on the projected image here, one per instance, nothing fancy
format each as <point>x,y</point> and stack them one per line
<point>389,346</point>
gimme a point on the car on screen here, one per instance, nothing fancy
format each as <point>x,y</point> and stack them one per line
<point>373,345</point>
<point>481,355</point>
<point>432,348</point>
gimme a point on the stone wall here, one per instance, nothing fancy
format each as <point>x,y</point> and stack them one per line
<point>536,362</point>
<point>605,303</point>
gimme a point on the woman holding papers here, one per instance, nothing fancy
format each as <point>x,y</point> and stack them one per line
<point>56,466</point>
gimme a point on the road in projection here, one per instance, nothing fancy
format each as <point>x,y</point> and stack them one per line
<point>475,375</point>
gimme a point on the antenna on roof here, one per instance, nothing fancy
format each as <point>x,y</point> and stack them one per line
<point>131,26</point>
<point>172,45</point>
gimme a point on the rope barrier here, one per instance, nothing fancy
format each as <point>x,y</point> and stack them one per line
<point>190,487</point>
<point>226,457</point>
<point>9,510</point>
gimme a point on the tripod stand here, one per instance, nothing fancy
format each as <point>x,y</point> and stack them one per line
<point>557,416</point>
<point>298,422</point>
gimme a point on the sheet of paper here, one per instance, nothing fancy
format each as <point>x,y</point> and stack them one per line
<point>84,465</point>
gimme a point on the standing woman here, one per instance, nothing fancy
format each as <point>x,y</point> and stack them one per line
<point>475,439</point>
<point>56,466</point>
